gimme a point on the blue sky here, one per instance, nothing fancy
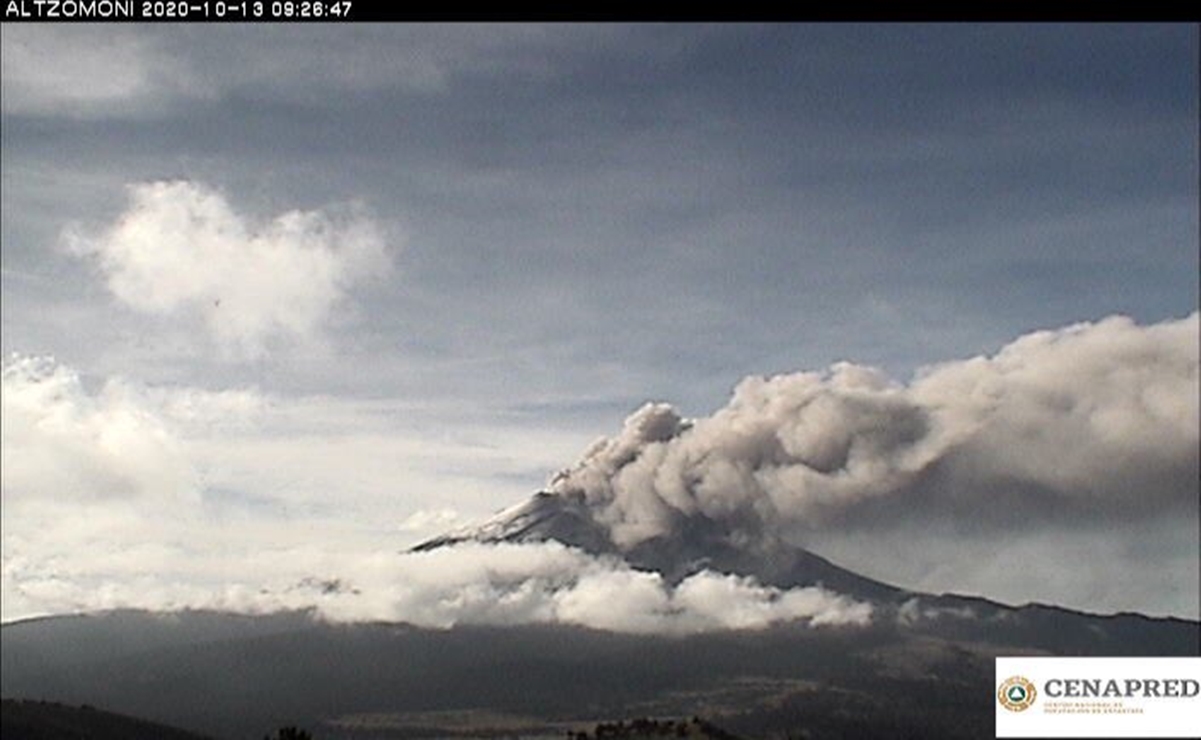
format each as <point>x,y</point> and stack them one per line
<point>567,221</point>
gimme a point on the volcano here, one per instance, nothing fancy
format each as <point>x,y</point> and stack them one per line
<point>694,545</point>
<point>699,544</point>
<point>396,681</point>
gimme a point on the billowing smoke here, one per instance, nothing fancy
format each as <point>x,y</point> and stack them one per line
<point>1092,427</point>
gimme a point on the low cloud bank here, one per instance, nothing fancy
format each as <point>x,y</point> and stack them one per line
<point>470,584</point>
<point>550,583</point>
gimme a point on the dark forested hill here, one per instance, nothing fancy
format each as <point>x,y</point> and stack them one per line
<point>238,677</point>
<point>40,720</point>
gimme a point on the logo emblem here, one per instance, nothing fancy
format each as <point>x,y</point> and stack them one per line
<point>1016,694</point>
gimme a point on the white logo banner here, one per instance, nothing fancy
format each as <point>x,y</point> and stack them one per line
<point>1098,697</point>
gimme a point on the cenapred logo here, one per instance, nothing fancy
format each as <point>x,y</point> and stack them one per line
<point>1047,696</point>
<point>1016,693</point>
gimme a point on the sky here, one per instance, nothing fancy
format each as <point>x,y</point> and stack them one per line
<point>280,300</point>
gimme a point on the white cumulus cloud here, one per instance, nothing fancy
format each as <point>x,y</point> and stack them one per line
<point>181,248</point>
<point>60,442</point>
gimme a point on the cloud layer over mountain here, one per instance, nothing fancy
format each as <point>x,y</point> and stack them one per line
<point>546,582</point>
<point>110,500</point>
<point>1073,452</point>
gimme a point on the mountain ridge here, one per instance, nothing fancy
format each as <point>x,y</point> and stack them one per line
<point>695,544</point>
<point>922,666</point>
<point>698,544</point>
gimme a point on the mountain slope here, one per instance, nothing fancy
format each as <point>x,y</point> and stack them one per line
<point>698,543</point>
<point>694,545</point>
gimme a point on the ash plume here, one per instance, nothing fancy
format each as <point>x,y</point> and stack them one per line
<point>1092,425</point>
